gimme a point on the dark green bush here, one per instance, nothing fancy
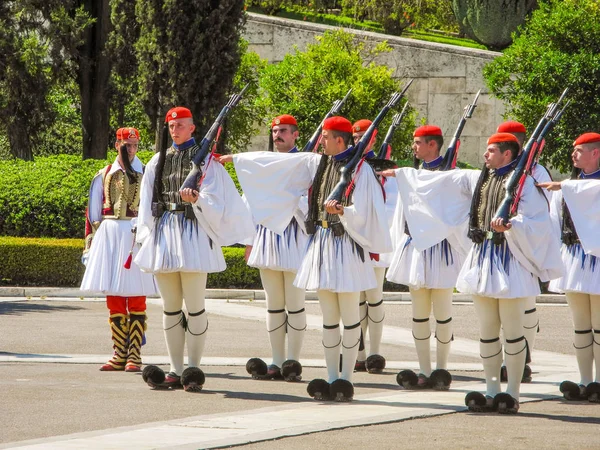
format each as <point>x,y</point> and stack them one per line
<point>47,197</point>
<point>57,262</point>
<point>40,262</point>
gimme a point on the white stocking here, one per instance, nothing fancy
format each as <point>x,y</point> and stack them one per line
<point>421,310</point>
<point>348,306</point>
<point>583,339</point>
<point>441,300</point>
<point>194,289</point>
<point>531,323</point>
<point>515,348</point>
<point>169,286</point>
<point>490,347</point>
<point>273,284</point>
<point>364,322</point>
<point>332,338</point>
<point>375,312</point>
<point>294,302</point>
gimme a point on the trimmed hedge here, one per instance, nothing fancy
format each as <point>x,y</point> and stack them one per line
<point>57,262</point>
<point>40,261</point>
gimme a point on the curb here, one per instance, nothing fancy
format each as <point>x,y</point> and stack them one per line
<point>232,294</point>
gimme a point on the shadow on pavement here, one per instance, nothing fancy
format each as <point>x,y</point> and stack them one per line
<point>19,308</point>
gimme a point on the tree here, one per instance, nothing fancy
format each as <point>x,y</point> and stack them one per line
<point>306,84</point>
<point>559,47</point>
<point>491,22</point>
<point>187,54</point>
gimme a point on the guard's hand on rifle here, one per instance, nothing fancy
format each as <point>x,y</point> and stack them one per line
<point>550,185</point>
<point>225,159</point>
<point>334,207</point>
<point>387,173</point>
<point>189,195</point>
<point>498,225</point>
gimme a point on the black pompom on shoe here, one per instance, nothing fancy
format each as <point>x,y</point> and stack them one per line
<point>375,364</point>
<point>341,391</point>
<point>476,401</point>
<point>319,389</point>
<point>257,368</point>
<point>572,391</point>
<point>407,379</point>
<point>192,379</point>
<point>291,370</point>
<point>440,380</point>
<point>506,404</point>
<point>526,374</point>
<point>592,391</point>
<point>153,376</point>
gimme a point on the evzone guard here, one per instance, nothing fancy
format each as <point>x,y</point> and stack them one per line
<point>372,312</point>
<point>430,274</point>
<point>189,208</point>
<point>109,245</point>
<point>342,234</point>
<point>505,258</point>
<point>278,257</point>
<point>575,208</point>
<point>531,321</point>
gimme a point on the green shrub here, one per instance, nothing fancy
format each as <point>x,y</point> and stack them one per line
<point>559,47</point>
<point>47,197</point>
<point>57,262</point>
<point>40,262</point>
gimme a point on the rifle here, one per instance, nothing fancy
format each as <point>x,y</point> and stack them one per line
<point>340,189</point>
<point>516,182</point>
<point>386,146</point>
<point>193,179</point>
<point>314,140</point>
<point>449,161</point>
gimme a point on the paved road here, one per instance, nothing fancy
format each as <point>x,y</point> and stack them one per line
<point>53,395</point>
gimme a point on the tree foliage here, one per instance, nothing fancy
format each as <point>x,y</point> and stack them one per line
<point>491,22</point>
<point>559,47</point>
<point>305,84</point>
<point>31,63</point>
<point>187,54</point>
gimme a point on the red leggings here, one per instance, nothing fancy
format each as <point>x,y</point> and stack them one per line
<point>119,305</point>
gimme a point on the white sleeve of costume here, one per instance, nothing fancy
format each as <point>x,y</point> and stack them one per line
<point>145,219</point>
<point>95,199</point>
<point>435,205</point>
<point>273,184</point>
<point>532,239</point>
<point>583,199</point>
<point>541,175</point>
<point>365,220</point>
<point>220,209</point>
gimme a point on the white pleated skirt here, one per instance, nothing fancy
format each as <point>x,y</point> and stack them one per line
<point>104,273</point>
<point>178,244</point>
<point>335,263</point>
<point>435,268</point>
<point>582,272</point>
<point>492,271</point>
<point>274,251</point>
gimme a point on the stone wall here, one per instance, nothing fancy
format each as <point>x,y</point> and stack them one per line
<point>446,77</point>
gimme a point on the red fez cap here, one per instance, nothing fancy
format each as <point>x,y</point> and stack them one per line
<point>284,119</point>
<point>338,123</point>
<point>127,133</point>
<point>428,130</point>
<point>587,138</point>
<point>502,137</point>
<point>511,127</point>
<point>361,125</point>
<point>179,112</point>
